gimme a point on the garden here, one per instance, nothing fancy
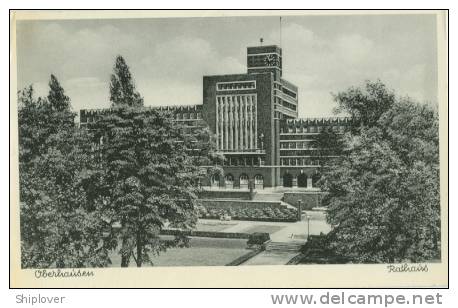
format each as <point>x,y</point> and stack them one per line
<point>267,213</point>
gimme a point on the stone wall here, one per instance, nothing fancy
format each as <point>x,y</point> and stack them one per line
<point>308,199</point>
<point>225,194</point>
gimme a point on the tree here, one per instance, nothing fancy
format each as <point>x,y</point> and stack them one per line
<point>40,118</point>
<point>151,178</point>
<point>329,145</point>
<point>31,130</point>
<point>60,225</point>
<point>364,106</point>
<point>122,87</point>
<point>383,192</point>
<point>56,97</point>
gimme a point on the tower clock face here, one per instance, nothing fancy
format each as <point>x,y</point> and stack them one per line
<point>270,60</point>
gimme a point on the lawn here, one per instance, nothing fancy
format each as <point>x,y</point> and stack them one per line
<point>203,251</point>
<point>213,226</point>
<point>263,228</point>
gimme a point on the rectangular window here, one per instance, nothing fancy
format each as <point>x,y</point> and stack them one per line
<point>289,92</point>
<point>239,85</point>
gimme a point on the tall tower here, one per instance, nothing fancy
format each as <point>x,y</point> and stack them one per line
<point>263,59</point>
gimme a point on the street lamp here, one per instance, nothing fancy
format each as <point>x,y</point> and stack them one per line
<point>308,225</point>
<point>299,210</point>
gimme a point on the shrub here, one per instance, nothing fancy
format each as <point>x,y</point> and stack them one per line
<point>268,213</point>
<point>196,233</point>
<point>258,238</point>
<point>317,250</point>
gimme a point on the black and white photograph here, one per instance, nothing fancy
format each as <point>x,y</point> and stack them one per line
<point>253,141</point>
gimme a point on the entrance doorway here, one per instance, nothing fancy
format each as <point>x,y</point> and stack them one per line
<point>214,183</point>
<point>287,180</point>
<point>229,181</point>
<point>302,180</point>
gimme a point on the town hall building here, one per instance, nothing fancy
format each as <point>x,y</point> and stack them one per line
<point>254,117</point>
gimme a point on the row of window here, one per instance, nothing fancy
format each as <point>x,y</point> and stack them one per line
<point>250,123</point>
<point>188,116</point>
<point>286,94</point>
<point>241,85</point>
<point>243,179</point>
<point>296,145</point>
<point>239,110</point>
<point>312,129</point>
<point>188,130</point>
<point>289,105</point>
<point>308,152</point>
<point>280,115</point>
<point>289,93</point>
<point>297,137</point>
<point>244,161</point>
<point>301,180</point>
<point>299,162</point>
<point>191,123</point>
<point>233,102</point>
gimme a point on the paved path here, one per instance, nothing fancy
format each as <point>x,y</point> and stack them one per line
<point>281,231</point>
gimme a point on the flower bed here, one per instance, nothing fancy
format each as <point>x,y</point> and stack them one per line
<point>205,233</point>
<point>254,214</point>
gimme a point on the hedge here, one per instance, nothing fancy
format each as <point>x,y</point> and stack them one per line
<point>225,194</point>
<point>309,199</point>
<point>241,204</point>
<point>255,219</point>
<point>214,234</point>
<point>258,238</point>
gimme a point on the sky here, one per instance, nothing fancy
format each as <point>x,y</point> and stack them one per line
<point>322,55</point>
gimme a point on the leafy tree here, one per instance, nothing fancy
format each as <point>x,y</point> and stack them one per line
<point>40,118</point>
<point>151,178</point>
<point>383,193</point>
<point>60,226</point>
<point>31,130</point>
<point>57,99</point>
<point>364,106</point>
<point>122,87</point>
<point>201,148</point>
<point>328,145</point>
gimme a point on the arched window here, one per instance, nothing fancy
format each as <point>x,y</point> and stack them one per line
<point>215,180</point>
<point>229,181</point>
<point>287,180</point>
<point>259,181</point>
<point>302,180</point>
<point>244,181</point>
